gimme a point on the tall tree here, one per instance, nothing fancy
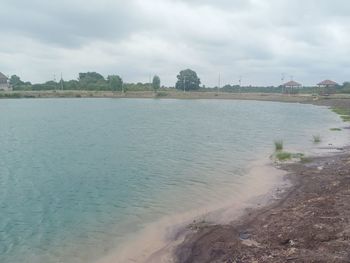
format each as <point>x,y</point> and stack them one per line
<point>187,80</point>
<point>115,82</point>
<point>156,83</point>
<point>90,77</point>
<point>15,81</point>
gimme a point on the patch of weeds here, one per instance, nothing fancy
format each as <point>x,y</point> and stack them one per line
<point>335,129</point>
<point>283,156</point>
<point>305,159</point>
<point>161,94</point>
<point>344,113</point>
<point>278,145</point>
<point>316,138</point>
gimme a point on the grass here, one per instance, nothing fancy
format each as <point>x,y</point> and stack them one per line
<point>335,129</point>
<point>316,138</point>
<point>344,113</point>
<point>305,159</point>
<point>283,156</point>
<point>278,145</point>
<point>161,94</point>
<point>10,95</point>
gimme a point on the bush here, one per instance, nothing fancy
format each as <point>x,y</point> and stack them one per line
<point>278,145</point>
<point>316,138</point>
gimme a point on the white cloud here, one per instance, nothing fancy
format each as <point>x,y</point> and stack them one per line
<point>258,39</point>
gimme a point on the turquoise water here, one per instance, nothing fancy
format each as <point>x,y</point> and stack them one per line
<point>78,176</point>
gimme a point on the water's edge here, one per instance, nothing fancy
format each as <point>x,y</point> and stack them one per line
<point>158,242</point>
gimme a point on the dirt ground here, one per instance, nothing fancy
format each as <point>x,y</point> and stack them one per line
<point>309,223</point>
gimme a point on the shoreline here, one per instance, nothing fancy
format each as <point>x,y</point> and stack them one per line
<point>169,94</point>
<point>281,228</point>
<point>278,230</point>
<point>157,242</point>
<point>308,224</point>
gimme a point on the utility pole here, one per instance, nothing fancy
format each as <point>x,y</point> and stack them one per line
<point>150,84</point>
<point>240,83</point>
<point>219,82</point>
<point>61,82</point>
<point>184,84</point>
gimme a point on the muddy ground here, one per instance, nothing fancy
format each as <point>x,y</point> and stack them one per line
<point>309,223</point>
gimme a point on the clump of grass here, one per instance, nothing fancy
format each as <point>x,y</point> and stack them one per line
<point>345,117</point>
<point>344,113</point>
<point>161,94</point>
<point>305,159</point>
<point>278,145</point>
<point>316,138</point>
<point>335,129</point>
<point>298,155</point>
<point>283,156</point>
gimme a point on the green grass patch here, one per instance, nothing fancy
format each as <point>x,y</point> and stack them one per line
<point>345,117</point>
<point>160,94</point>
<point>343,112</point>
<point>10,95</point>
<point>278,145</point>
<point>335,129</point>
<point>283,156</point>
<point>316,138</point>
<point>305,159</point>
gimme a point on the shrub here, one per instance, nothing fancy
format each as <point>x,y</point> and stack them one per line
<point>316,138</point>
<point>278,145</point>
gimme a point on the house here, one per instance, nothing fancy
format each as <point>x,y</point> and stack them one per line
<point>4,82</point>
<point>291,86</point>
<point>327,86</point>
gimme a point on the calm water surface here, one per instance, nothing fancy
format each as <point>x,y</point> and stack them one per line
<point>77,176</point>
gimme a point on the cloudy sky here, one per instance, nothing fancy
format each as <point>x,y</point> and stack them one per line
<point>255,39</point>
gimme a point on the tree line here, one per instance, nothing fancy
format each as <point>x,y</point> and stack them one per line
<point>187,80</point>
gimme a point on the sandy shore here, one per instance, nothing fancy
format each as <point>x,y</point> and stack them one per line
<point>309,222</point>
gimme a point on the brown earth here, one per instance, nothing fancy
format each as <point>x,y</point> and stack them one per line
<point>309,223</point>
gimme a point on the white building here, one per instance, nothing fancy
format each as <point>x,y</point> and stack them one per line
<point>4,83</point>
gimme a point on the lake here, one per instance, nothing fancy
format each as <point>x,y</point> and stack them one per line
<point>78,177</point>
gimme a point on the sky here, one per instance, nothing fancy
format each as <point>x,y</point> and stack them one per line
<point>260,42</point>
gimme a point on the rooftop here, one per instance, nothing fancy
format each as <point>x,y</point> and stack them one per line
<point>327,82</point>
<point>292,83</point>
<point>2,76</point>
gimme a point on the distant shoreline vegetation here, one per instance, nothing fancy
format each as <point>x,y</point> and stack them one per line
<point>187,80</point>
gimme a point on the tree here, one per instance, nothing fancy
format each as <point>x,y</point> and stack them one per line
<point>156,83</point>
<point>115,82</point>
<point>90,77</point>
<point>187,80</point>
<point>15,81</point>
<point>92,81</point>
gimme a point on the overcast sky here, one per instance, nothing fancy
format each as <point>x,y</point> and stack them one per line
<point>256,39</point>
